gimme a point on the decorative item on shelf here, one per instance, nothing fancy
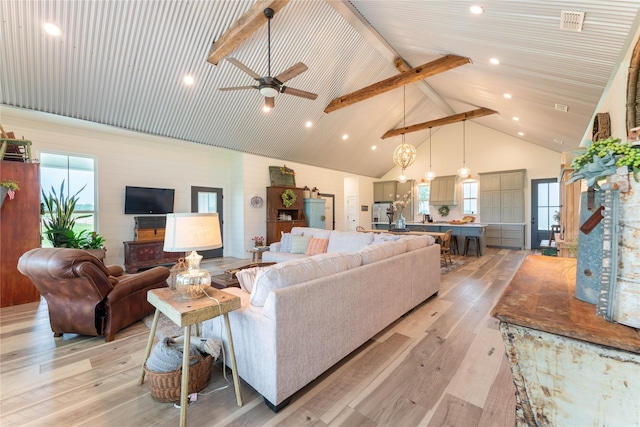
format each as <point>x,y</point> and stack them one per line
<point>405,154</point>
<point>314,193</point>
<point>258,241</point>
<point>464,171</point>
<point>192,232</point>
<point>8,188</point>
<point>306,192</point>
<point>288,198</point>
<point>282,175</point>
<point>443,210</point>
<point>180,267</point>
<point>399,204</point>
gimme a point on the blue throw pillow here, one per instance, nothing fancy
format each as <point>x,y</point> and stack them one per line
<point>285,242</point>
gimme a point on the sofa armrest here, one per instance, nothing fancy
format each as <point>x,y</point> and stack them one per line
<point>115,270</point>
<point>274,247</point>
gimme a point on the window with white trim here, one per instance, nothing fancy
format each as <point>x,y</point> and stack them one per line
<point>470,197</point>
<point>423,198</point>
<point>75,172</point>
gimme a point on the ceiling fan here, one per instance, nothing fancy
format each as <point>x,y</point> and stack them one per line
<point>271,86</point>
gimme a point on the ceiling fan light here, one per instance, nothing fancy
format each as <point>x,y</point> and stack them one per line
<point>431,175</point>
<point>269,92</point>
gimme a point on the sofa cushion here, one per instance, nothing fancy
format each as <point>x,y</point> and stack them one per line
<point>384,237</point>
<point>417,242</point>
<point>374,252</point>
<point>298,231</point>
<point>299,244</point>
<point>318,233</point>
<point>285,242</point>
<point>317,246</point>
<point>348,241</point>
<point>282,275</point>
<point>336,262</point>
<point>247,278</point>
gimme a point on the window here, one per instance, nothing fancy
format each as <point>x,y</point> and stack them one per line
<point>423,198</point>
<point>75,172</point>
<point>470,197</point>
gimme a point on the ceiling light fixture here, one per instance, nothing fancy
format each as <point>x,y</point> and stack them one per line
<point>188,80</point>
<point>374,147</point>
<point>494,61</point>
<point>404,154</point>
<point>345,137</point>
<point>507,95</point>
<point>516,119</point>
<point>309,124</point>
<point>431,174</point>
<point>521,133</point>
<point>464,172</point>
<point>476,9</point>
<point>52,29</point>
<point>266,109</point>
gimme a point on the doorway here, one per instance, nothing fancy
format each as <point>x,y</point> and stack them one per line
<point>208,200</point>
<point>352,213</point>
<point>329,210</point>
<point>545,202</point>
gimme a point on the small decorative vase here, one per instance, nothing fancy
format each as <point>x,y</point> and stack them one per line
<point>259,243</point>
<point>401,222</point>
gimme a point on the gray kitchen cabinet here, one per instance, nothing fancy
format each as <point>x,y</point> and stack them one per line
<point>384,191</point>
<point>502,196</point>
<point>443,191</point>
<point>402,189</point>
<point>506,235</point>
<point>494,235</point>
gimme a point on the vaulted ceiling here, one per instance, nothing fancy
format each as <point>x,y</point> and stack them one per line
<point>121,63</point>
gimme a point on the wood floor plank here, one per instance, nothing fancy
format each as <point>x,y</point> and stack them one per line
<point>441,364</point>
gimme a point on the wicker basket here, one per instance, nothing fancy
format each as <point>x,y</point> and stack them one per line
<point>165,386</point>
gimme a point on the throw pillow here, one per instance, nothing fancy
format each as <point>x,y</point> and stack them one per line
<point>299,244</point>
<point>384,237</point>
<point>317,246</point>
<point>247,278</point>
<point>285,242</point>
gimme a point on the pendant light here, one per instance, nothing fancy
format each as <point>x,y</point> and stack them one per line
<point>404,154</point>
<point>431,174</point>
<point>464,172</point>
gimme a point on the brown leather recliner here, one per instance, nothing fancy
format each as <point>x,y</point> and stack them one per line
<point>85,296</point>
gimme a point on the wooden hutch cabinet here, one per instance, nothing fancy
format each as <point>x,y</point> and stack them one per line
<point>276,210</point>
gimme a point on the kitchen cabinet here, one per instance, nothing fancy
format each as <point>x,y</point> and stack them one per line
<point>276,210</point>
<point>443,191</point>
<point>384,191</point>
<point>458,232</point>
<point>506,235</point>
<point>502,196</point>
<point>314,211</point>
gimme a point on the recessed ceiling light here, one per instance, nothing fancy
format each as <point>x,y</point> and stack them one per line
<point>265,109</point>
<point>507,95</point>
<point>345,137</point>
<point>494,61</point>
<point>476,9</point>
<point>558,141</point>
<point>521,133</point>
<point>188,80</point>
<point>516,119</point>
<point>309,124</point>
<point>52,29</point>
<point>373,147</point>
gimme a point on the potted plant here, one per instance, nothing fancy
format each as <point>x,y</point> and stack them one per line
<point>89,241</point>
<point>59,219</point>
<point>602,158</point>
<point>8,187</point>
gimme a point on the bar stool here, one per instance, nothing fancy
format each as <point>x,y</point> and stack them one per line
<point>453,245</point>
<point>476,241</point>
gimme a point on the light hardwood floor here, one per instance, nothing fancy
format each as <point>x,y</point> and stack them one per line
<point>443,364</point>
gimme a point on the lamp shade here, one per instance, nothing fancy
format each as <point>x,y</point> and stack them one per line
<point>192,232</point>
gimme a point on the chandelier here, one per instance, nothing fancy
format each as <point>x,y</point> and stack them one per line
<point>464,171</point>
<point>404,154</point>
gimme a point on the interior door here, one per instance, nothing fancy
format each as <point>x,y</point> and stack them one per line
<point>329,210</point>
<point>352,213</point>
<point>208,200</point>
<point>545,202</point>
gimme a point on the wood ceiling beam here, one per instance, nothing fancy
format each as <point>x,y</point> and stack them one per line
<point>410,76</point>
<point>242,29</point>
<point>474,114</point>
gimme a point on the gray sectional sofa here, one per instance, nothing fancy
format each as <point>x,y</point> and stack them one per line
<point>301,316</point>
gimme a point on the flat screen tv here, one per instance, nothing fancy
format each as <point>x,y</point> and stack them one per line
<point>144,200</point>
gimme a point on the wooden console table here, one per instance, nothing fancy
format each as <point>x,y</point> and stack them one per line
<point>144,254</point>
<point>569,366</point>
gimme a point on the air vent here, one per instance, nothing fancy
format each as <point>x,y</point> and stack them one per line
<point>561,107</point>
<point>571,21</point>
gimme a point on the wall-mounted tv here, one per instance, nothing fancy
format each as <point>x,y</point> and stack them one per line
<point>144,200</point>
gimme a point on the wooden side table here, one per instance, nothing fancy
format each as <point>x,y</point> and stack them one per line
<point>256,254</point>
<point>185,313</point>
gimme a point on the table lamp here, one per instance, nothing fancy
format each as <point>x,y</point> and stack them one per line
<point>192,232</point>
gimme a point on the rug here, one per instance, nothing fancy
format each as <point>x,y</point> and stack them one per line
<point>454,264</point>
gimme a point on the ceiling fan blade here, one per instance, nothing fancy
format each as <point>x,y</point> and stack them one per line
<point>291,72</point>
<point>237,88</point>
<point>269,102</point>
<point>298,92</point>
<point>244,68</point>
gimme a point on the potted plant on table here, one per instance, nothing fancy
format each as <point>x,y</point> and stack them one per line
<point>258,241</point>
<point>8,187</point>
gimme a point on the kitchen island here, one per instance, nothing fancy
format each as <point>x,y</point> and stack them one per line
<point>458,231</point>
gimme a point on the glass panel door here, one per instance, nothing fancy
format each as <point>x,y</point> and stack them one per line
<point>208,200</point>
<point>545,202</point>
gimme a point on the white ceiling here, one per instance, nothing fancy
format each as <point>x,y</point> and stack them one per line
<point>121,63</point>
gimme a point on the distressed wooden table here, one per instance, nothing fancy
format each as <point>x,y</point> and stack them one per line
<point>185,313</point>
<point>569,366</point>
